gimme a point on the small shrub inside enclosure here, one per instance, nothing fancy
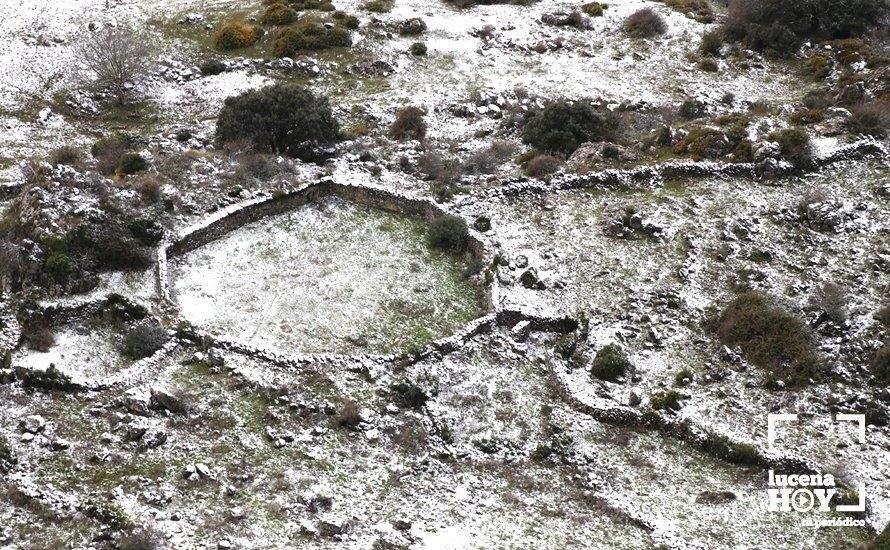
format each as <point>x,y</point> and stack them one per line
<point>610,363</point>
<point>235,35</point>
<point>283,118</point>
<point>769,337</point>
<point>409,124</point>
<point>143,341</point>
<point>449,233</point>
<point>645,23</point>
<point>560,127</point>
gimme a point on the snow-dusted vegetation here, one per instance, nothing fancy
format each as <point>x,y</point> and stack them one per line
<point>405,274</point>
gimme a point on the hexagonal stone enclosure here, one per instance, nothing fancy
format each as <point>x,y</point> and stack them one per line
<point>329,276</point>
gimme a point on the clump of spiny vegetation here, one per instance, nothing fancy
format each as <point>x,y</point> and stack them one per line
<point>645,23</point>
<point>779,27</point>
<point>408,394</point>
<point>279,14</point>
<point>770,337</point>
<point>235,35</point>
<point>449,233</point>
<point>610,363</point>
<point>540,166</point>
<point>409,124</point>
<point>795,145</point>
<point>729,140</point>
<point>144,340</point>
<point>108,151</point>
<point>7,456</point>
<point>67,155</point>
<point>594,9</point>
<point>310,34</point>
<point>669,400</point>
<point>561,126</point>
<point>282,118</point>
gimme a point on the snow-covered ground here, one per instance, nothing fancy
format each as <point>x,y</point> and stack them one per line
<point>488,445</point>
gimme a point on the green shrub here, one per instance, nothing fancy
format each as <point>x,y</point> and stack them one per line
<point>279,14</point>
<point>666,401</point>
<point>412,27</point>
<point>818,66</point>
<point>130,163</point>
<point>645,23</point>
<point>7,456</point>
<point>708,65</point>
<point>807,116</point>
<point>593,9</point>
<point>235,35</point>
<point>283,118</point>
<point>112,248</point>
<point>310,34</point>
<point>143,341</point>
<point>610,363</point>
<point>769,337</point>
<point>711,43</point>
<point>684,374</point>
<point>409,124</point>
<point>880,366</point>
<point>147,231</point>
<point>409,394</point>
<point>691,108</point>
<point>560,127</point>
<point>345,20</point>
<point>60,266</point>
<point>418,49</point>
<point>449,233</point>
<point>212,67</point>
<point>795,145</point>
<point>67,155</point>
<point>817,99</point>
<point>724,448</point>
<point>108,151</point>
<point>303,5</point>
